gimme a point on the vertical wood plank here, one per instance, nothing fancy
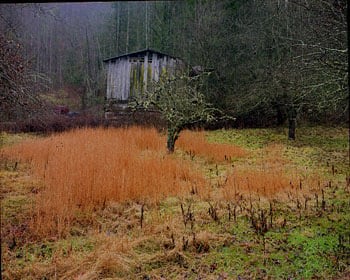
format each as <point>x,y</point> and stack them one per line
<point>118,79</point>
<point>155,69</point>
<point>145,71</point>
<point>109,73</point>
<point>127,78</point>
<point>130,76</point>
<point>123,79</point>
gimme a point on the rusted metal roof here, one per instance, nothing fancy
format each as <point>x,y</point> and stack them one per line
<point>138,52</point>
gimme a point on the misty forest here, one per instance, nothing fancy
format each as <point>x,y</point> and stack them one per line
<point>188,139</point>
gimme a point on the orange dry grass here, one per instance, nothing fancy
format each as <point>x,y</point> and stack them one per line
<point>195,143</point>
<point>83,169</point>
<point>266,183</point>
<point>272,176</point>
<point>269,183</point>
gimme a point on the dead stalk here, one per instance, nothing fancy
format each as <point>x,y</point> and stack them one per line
<point>142,214</point>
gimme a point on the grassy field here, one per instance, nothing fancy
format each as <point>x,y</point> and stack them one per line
<point>228,204</point>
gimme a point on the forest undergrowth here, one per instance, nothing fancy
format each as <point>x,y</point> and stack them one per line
<point>228,204</point>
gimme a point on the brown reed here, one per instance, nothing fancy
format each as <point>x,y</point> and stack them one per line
<point>271,182</point>
<point>194,143</point>
<point>82,169</point>
<point>265,183</point>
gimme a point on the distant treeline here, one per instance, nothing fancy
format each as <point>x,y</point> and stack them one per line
<point>273,60</point>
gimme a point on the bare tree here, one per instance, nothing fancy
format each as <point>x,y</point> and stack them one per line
<point>17,97</point>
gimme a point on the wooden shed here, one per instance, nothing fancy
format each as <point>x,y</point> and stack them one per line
<point>130,74</point>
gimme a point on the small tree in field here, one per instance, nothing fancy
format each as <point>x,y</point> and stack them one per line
<point>180,102</point>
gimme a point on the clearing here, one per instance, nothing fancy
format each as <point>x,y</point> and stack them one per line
<point>228,204</point>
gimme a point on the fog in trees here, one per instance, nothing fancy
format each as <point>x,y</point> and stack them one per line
<point>273,61</point>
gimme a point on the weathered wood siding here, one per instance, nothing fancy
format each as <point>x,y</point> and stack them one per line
<point>131,75</point>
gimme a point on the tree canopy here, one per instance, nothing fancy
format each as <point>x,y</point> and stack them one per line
<point>270,57</point>
<point>181,103</point>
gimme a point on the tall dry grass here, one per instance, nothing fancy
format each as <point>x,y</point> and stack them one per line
<point>272,175</point>
<point>84,169</point>
<point>194,143</point>
<point>266,183</point>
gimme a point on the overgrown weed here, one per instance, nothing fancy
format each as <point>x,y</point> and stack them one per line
<point>270,215</point>
<point>195,144</point>
<point>83,169</point>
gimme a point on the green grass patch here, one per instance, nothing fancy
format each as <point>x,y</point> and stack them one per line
<point>7,139</point>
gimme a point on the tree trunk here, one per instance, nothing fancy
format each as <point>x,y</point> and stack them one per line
<point>146,25</point>
<point>118,28</point>
<point>173,134</point>
<point>292,116</point>
<point>127,30</point>
<point>291,129</point>
<point>170,144</point>
<point>83,98</point>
